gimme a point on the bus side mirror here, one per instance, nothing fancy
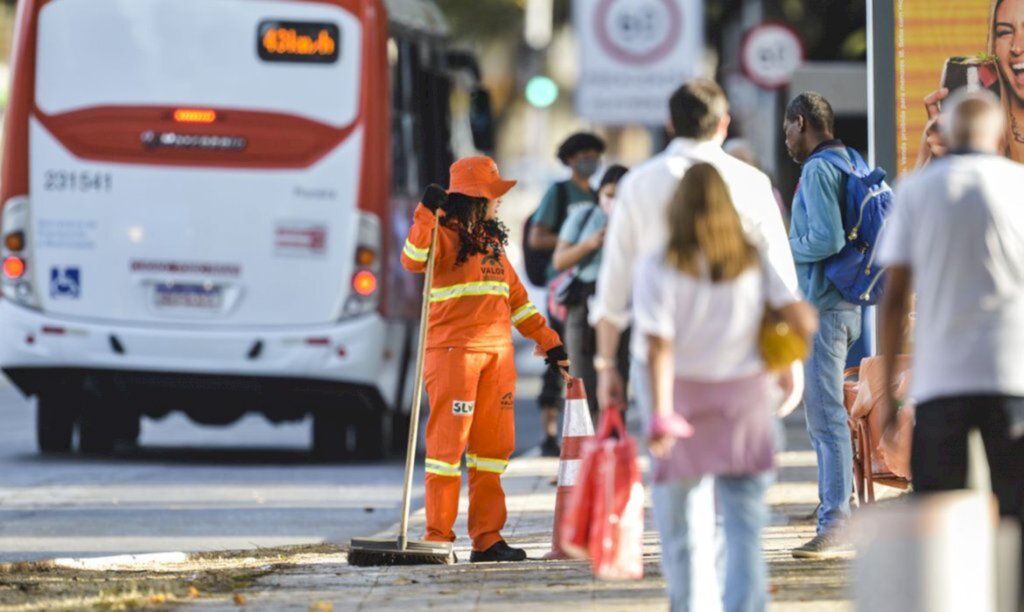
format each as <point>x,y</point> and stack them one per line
<point>481,120</point>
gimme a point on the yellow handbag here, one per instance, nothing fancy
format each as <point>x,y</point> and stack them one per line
<point>780,344</point>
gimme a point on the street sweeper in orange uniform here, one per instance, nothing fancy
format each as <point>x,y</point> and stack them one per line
<point>475,299</point>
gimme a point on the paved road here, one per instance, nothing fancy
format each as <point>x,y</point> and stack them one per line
<point>194,488</point>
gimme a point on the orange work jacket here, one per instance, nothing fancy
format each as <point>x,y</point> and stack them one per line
<point>473,305</point>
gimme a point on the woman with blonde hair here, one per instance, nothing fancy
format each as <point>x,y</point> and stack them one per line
<point>700,302</point>
<point>1006,45</point>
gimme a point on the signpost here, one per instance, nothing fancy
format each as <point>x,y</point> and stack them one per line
<point>633,55</point>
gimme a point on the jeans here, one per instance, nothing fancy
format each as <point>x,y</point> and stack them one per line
<point>581,342</point>
<point>826,414</point>
<point>938,457</point>
<point>640,381</point>
<point>684,512</point>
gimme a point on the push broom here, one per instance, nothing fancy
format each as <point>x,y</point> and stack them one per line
<point>402,550</point>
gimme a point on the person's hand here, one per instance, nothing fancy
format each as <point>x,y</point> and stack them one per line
<point>660,445</point>
<point>556,357</point>
<point>665,430</point>
<point>596,240</point>
<point>434,197</point>
<point>933,102</point>
<point>610,389</point>
<point>791,383</point>
<point>563,369</point>
<point>932,142</point>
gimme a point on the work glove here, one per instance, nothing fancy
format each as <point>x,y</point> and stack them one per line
<point>555,355</point>
<point>434,197</point>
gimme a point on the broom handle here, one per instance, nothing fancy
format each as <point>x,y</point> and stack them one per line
<point>417,397</point>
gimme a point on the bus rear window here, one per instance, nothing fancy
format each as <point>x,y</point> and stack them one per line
<point>294,57</point>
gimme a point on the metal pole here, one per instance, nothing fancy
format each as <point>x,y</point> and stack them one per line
<point>417,397</point>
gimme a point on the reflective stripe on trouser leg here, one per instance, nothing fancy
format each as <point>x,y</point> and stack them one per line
<point>486,464</point>
<point>491,442</point>
<point>441,468</point>
<point>451,377</point>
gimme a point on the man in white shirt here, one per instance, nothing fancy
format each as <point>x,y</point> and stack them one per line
<point>956,238</point>
<point>700,121</point>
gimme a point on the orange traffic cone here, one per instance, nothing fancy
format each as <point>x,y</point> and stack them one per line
<point>576,429</point>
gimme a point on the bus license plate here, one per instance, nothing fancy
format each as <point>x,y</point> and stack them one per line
<point>178,295</point>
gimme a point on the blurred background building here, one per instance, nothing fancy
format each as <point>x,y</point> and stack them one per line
<point>531,64</point>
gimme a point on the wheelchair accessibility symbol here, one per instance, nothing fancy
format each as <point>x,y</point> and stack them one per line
<point>65,283</point>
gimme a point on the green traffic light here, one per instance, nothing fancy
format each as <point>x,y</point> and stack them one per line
<point>541,91</point>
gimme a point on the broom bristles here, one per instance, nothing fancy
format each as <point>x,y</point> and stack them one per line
<point>361,557</point>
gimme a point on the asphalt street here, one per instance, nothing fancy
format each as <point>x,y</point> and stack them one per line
<point>197,488</point>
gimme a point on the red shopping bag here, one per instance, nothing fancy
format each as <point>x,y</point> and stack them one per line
<point>605,521</point>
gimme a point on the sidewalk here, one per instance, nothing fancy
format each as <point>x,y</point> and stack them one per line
<point>327,581</point>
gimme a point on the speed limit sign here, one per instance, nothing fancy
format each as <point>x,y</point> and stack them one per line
<point>770,54</point>
<point>633,54</point>
<point>638,31</point>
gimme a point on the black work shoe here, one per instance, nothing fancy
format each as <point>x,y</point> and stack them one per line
<point>550,448</point>
<point>501,551</point>
<point>828,545</point>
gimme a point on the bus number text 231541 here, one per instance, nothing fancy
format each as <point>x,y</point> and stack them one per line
<point>66,180</point>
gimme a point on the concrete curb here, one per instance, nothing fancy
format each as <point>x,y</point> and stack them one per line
<point>108,563</point>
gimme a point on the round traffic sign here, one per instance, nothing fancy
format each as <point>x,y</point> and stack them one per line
<point>638,31</point>
<point>770,54</point>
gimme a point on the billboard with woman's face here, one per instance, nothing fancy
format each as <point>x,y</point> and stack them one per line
<point>944,45</point>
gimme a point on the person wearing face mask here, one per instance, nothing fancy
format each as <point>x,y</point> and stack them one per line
<point>581,152</point>
<point>579,246</point>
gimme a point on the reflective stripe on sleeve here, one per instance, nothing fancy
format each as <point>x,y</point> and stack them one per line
<point>415,253</point>
<point>524,312</point>
<point>486,464</point>
<point>441,294</point>
<point>441,468</point>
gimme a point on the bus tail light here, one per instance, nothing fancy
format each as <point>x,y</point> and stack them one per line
<point>16,281</point>
<point>195,115</point>
<point>14,267</point>
<point>364,283</point>
<point>365,291</point>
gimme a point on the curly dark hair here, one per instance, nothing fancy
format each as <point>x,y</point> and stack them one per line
<point>465,215</point>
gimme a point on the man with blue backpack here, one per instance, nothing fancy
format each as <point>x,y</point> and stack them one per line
<point>838,212</point>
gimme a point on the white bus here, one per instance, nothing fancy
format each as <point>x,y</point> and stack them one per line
<point>203,203</point>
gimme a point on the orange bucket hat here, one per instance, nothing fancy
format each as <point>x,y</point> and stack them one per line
<point>478,177</point>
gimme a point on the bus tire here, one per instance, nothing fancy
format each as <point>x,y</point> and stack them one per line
<point>97,430</point>
<point>55,422</point>
<point>126,424</point>
<point>331,434</point>
<point>400,431</point>
<point>372,435</point>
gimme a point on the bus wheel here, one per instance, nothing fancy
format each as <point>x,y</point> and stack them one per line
<point>371,435</point>
<point>97,428</point>
<point>126,426</point>
<point>331,431</point>
<point>399,431</point>
<point>55,422</point>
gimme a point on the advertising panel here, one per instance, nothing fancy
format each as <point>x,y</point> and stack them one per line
<point>952,44</point>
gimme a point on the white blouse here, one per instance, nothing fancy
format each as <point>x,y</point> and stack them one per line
<point>714,326</point>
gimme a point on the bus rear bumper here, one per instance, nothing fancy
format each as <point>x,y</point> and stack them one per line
<point>364,352</point>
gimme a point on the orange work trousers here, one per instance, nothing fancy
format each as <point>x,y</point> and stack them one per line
<point>472,399</point>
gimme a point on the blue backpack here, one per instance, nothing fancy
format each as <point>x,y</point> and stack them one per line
<point>864,209</point>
